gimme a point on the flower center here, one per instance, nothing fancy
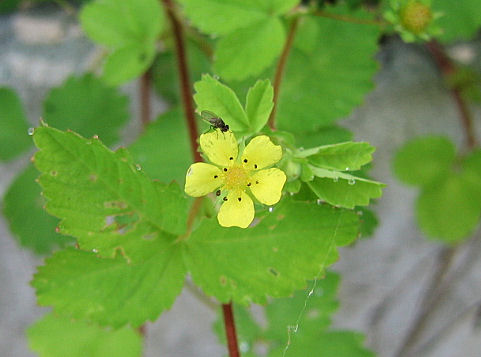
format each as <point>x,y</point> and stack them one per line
<point>236,177</point>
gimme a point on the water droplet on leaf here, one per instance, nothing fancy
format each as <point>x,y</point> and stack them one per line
<point>351,181</point>
<point>31,131</point>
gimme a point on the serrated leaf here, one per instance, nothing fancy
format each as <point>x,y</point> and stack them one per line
<point>28,221</point>
<point>423,160</point>
<point>220,17</point>
<point>292,244</point>
<point>448,209</point>
<point>85,104</point>
<point>248,51</point>
<point>333,81</point>
<point>460,19</point>
<point>368,221</point>
<point>55,336</point>
<point>341,157</point>
<point>118,23</point>
<point>216,97</point>
<point>324,136</point>
<point>344,190</point>
<point>112,291</point>
<point>90,187</point>
<point>259,104</point>
<point>163,149</point>
<point>13,126</point>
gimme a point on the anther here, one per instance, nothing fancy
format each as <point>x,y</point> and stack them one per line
<point>231,158</point>
<point>249,184</point>
<point>217,193</point>
<point>215,176</point>
<point>225,169</point>
<point>255,166</point>
<point>239,199</point>
<point>257,182</point>
<point>245,160</point>
<point>225,198</point>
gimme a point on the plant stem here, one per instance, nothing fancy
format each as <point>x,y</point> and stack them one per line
<point>145,86</point>
<point>280,69</point>
<point>183,77</point>
<point>447,68</point>
<point>352,20</point>
<point>230,330</point>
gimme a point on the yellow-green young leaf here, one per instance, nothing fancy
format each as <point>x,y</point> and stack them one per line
<point>112,291</point>
<point>13,126</point>
<point>460,19</point>
<point>163,149</point>
<point>293,243</point>
<point>23,208</point>
<point>249,50</point>
<point>101,196</point>
<point>423,160</point>
<point>344,190</point>
<point>55,336</point>
<point>348,156</point>
<point>216,97</point>
<point>259,104</point>
<point>279,7</point>
<point>328,81</point>
<point>220,17</point>
<point>86,105</point>
<point>449,209</point>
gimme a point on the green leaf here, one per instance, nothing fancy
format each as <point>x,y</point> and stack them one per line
<point>163,150</point>
<point>259,104</point>
<point>368,221</point>
<point>324,136</point>
<point>13,126</point>
<point>279,6</point>
<point>472,172</point>
<point>423,160</point>
<point>218,98</point>
<point>55,336</point>
<point>348,156</point>
<point>460,19</point>
<point>290,245</point>
<point>448,208</point>
<point>333,80</point>
<point>86,105</point>
<point>28,221</point>
<point>112,291</point>
<point>248,51</point>
<point>118,23</point>
<point>220,17</point>
<point>344,190</point>
<point>88,186</point>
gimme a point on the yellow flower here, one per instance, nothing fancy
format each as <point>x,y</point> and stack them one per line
<point>232,176</point>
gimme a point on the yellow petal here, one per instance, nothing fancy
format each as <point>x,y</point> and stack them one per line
<point>220,147</point>
<point>266,185</point>
<point>260,153</point>
<point>202,178</point>
<point>237,211</point>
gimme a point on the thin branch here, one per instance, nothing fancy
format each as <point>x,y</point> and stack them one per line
<point>448,68</point>
<point>350,19</point>
<point>183,77</point>
<point>145,86</point>
<point>280,69</point>
<point>230,330</point>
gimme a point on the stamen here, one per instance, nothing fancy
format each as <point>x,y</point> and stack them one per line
<point>231,158</point>
<point>240,199</point>
<point>245,160</point>
<point>257,182</point>
<point>249,184</point>
<point>217,193</point>
<point>225,198</point>
<point>225,169</point>
<point>255,166</point>
<point>215,176</point>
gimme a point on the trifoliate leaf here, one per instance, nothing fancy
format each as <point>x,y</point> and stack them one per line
<point>344,190</point>
<point>13,126</point>
<point>248,51</point>
<point>288,246</point>
<point>448,209</point>
<point>216,97</point>
<point>100,193</point>
<point>163,150</point>
<point>259,104</point>
<point>460,19</point>
<point>28,221</point>
<point>333,80</point>
<point>85,104</point>
<point>55,336</point>
<point>112,291</point>
<point>130,29</point>
<point>225,16</point>
<point>423,160</point>
<point>341,157</point>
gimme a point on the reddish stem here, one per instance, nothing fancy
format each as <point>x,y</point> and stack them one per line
<point>280,69</point>
<point>230,330</point>
<point>183,77</point>
<point>145,87</point>
<point>448,68</point>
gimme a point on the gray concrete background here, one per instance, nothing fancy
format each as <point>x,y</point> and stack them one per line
<point>38,49</point>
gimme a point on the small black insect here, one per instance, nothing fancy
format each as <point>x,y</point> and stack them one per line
<point>214,120</point>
